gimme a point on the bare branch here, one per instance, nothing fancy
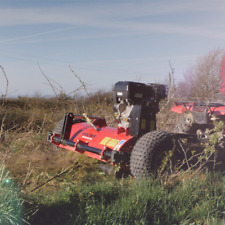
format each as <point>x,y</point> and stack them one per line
<point>82,83</point>
<point>50,83</point>
<point>7,84</point>
<point>185,155</point>
<point>60,87</point>
<point>70,168</point>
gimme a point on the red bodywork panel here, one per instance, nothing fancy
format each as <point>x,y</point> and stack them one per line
<point>103,138</point>
<point>182,107</point>
<point>216,108</point>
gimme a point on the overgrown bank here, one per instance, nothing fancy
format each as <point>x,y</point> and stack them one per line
<point>83,195</point>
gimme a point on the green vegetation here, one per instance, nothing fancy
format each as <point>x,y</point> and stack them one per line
<point>187,199</point>
<point>10,200</point>
<point>81,194</point>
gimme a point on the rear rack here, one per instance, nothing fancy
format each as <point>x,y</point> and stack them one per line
<point>199,103</point>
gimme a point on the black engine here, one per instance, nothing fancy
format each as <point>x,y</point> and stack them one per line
<point>136,105</point>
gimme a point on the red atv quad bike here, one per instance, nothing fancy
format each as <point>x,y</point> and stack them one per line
<point>197,118</point>
<point>199,115</point>
<point>134,145</point>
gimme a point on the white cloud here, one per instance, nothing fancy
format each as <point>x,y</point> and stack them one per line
<point>88,14</point>
<point>120,17</point>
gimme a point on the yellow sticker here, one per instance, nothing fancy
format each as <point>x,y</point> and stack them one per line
<point>113,142</point>
<point>152,125</point>
<point>105,141</point>
<point>143,124</point>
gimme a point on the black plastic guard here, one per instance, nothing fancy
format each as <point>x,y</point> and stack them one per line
<point>200,117</point>
<point>68,122</point>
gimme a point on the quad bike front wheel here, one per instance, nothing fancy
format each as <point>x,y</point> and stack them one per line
<point>149,153</point>
<point>185,124</point>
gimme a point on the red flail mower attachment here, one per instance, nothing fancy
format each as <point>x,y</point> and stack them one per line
<point>136,105</point>
<point>91,136</point>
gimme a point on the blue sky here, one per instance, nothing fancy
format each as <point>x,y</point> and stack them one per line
<point>103,41</point>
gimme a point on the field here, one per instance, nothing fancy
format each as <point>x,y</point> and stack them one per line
<point>40,185</point>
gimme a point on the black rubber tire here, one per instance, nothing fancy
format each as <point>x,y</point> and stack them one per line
<point>147,152</point>
<point>58,128</point>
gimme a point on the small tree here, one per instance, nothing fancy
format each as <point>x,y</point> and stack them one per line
<point>202,80</point>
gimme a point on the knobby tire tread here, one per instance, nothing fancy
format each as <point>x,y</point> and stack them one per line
<point>143,161</point>
<point>59,126</point>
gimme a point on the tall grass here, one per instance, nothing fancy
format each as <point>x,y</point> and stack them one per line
<point>186,200</point>
<point>11,204</point>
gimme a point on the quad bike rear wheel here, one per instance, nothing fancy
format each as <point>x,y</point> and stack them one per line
<point>148,153</point>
